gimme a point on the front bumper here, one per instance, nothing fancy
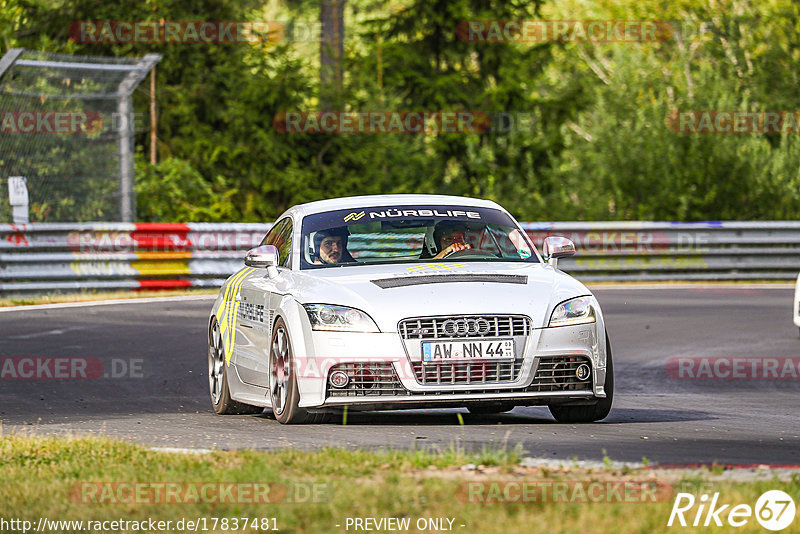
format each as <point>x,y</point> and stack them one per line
<point>387,356</point>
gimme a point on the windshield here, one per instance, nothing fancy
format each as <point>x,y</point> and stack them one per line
<point>411,234</point>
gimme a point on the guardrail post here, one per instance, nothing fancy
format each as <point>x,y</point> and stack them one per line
<point>126,124</point>
<point>18,198</point>
<point>126,171</point>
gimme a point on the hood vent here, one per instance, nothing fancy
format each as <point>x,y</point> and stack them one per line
<point>403,281</point>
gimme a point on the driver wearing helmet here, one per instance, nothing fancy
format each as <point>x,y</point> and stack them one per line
<point>330,246</point>
<point>449,237</point>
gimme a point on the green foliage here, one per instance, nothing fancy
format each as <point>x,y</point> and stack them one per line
<point>595,144</point>
<point>173,190</point>
<point>621,161</point>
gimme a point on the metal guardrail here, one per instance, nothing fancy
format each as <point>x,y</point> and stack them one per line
<point>653,251</point>
<point>68,257</point>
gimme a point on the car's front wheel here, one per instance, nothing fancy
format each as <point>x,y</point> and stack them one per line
<point>218,377</point>
<point>283,390</point>
<point>593,412</point>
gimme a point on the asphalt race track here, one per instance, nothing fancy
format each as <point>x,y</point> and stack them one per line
<point>155,388</point>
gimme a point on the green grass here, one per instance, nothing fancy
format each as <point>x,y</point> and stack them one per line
<point>37,476</point>
<point>85,296</point>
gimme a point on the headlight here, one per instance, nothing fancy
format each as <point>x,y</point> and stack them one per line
<point>575,311</point>
<point>339,318</point>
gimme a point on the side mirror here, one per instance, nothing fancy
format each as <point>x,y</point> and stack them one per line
<point>263,257</point>
<point>555,247</point>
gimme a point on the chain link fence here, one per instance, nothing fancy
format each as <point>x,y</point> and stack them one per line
<point>67,126</point>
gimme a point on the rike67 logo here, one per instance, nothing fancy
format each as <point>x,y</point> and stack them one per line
<point>774,510</point>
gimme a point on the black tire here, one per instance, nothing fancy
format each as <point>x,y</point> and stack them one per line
<point>283,390</point>
<point>593,412</point>
<point>218,378</point>
<point>493,408</point>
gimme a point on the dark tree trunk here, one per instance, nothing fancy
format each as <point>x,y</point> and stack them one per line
<point>331,17</point>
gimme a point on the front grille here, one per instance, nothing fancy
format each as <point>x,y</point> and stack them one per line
<point>434,327</point>
<point>373,379</point>
<point>477,372</point>
<point>554,374</point>
<point>557,373</point>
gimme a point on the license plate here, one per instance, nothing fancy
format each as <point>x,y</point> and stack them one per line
<point>448,351</point>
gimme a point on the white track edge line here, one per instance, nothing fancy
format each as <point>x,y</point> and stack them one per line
<point>647,285</point>
<point>145,300</point>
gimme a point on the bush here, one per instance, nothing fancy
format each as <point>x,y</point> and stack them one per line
<point>173,191</point>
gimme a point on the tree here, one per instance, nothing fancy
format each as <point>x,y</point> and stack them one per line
<point>331,48</point>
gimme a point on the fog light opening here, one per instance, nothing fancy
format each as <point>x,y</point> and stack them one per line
<point>339,379</point>
<point>583,372</point>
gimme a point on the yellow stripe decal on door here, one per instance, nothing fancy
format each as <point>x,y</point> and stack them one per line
<point>228,309</point>
<point>234,314</point>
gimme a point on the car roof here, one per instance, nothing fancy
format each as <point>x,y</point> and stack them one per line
<point>364,201</point>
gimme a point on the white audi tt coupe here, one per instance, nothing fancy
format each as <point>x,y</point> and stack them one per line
<point>406,301</point>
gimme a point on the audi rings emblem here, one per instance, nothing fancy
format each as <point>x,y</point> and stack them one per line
<point>583,371</point>
<point>466,327</point>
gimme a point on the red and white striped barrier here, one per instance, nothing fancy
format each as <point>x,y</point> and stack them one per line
<point>43,257</point>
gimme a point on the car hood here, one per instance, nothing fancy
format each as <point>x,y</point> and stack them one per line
<point>389,293</point>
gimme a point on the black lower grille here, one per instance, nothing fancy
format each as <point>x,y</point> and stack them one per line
<point>558,373</point>
<point>554,374</point>
<point>477,372</point>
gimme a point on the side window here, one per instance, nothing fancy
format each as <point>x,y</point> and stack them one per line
<point>269,239</point>
<point>284,244</point>
<point>280,235</point>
